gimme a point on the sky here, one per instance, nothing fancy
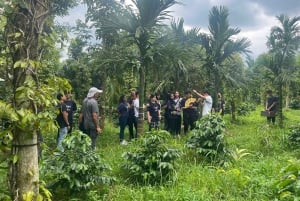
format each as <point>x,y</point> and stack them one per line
<point>254,18</point>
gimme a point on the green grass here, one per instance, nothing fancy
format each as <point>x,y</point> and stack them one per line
<point>250,178</point>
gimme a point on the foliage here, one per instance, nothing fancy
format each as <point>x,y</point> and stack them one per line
<point>76,168</point>
<point>287,186</point>
<point>293,136</point>
<point>221,44</point>
<point>152,162</point>
<point>283,42</point>
<point>208,138</point>
<point>245,108</point>
<point>295,104</point>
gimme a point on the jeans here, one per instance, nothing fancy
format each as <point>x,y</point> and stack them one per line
<point>62,132</point>
<point>123,123</point>
<point>132,121</point>
<point>93,135</point>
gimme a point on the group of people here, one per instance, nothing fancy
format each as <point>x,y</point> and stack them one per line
<point>176,111</point>
<point>186,109</point>
<point>128,115</point>
<point>88,118</point>
<point>66,107</point>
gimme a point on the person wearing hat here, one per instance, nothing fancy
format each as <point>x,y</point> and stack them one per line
<point>90,115</point>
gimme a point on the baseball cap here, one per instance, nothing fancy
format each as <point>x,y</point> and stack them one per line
<point>93,91</point>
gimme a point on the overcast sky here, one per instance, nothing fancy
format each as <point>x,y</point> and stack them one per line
<point>254,17</point>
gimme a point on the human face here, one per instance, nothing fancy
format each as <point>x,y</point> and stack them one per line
<point>176,94</point>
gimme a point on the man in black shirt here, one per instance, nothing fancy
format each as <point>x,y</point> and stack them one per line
<point>71,108</point>
<point>271,106</point>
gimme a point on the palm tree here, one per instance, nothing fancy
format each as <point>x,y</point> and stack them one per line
<point>140,21</point>
<point>220,46</point>
<point>283,43</point>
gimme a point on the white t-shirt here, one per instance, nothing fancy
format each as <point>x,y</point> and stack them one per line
<point>136,105</point>
<point>207,105</point>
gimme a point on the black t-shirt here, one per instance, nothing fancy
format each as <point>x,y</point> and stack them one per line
<point>61,107</point>
<point>153,109</point>
<point>270,101</point>
<point>71,107</point>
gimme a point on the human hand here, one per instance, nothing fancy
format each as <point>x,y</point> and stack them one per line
<point>99,130</point>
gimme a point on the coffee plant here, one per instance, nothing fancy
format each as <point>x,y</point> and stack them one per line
<point>245,108</point>
<point>152,162</point>
<point>207,138</point>
<point>293,136</point>
<point>76,168</point>
<point>287,186</point>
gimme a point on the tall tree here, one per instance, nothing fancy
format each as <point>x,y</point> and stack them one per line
<point>221,45</point>
<point>140,21</point>
<point>283,42</point>
<point>25,25</point>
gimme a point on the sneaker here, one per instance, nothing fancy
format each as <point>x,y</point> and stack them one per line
<point>124,142</point>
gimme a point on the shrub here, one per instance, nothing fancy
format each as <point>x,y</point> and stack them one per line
<point>287,186</point>
<point>78,167</point>
<point>295,103</point>
<point>245,108</point>
<point>293,136</point>
<point>152,162</point>
<point>208,138</point>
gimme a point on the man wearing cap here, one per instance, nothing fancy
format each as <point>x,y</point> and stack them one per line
<point>90,115</point>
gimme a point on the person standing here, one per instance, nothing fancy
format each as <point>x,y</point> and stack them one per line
<point>189,107</point>
<point>133,114</point>
<point>171,116</point>
<point>271,106</point>
<point>153,113</point>
<point>220,105</point>
<point>90,115</point>
<point>71,108</point>
<point>62,120</point>
<point>207,102</point>
<point>177,100</point>
<point>123,117</point>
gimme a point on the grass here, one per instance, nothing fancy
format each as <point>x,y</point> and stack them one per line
<point>250,178</point>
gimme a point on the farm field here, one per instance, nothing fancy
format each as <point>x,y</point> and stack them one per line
<point>261,152</point>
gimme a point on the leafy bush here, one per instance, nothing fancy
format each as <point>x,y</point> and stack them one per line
<point>295,103</point>
<point>152,162</point>
<point>78,167</point>
<point>208,138</point>
<point>245,108</point>
<point>293,136</point>
<point>287,187</point>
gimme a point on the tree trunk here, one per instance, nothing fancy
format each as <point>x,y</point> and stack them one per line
<point>287,97</point>
<point>27,21</point>
<point>233,113</point>
<point>24,171</point>
<point>280,97</point>
<point>140,129</point>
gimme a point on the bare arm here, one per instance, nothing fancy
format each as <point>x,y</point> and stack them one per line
<point>65,116</point>
<point>148,117</point>
<point>196,92</point>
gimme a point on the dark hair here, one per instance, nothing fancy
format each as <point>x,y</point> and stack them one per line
<point>269,91</point>
<point>205,92</point>
<point>59,95</point>
<point>121,100</point>
<point>152,96</point>
<point>188,92</point>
